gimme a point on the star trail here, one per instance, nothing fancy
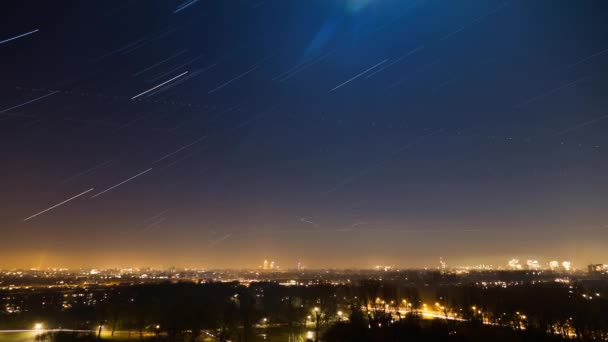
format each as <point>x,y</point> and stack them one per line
<point>339,133</point>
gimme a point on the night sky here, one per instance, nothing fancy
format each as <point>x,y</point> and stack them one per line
<point>338,133</point>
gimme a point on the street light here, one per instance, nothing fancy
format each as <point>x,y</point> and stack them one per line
<point>38,326</point>
<point>340,315</point>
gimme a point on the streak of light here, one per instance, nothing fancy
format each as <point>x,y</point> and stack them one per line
<point>147,222</point>
<point>184,158</point>
<point>128,124</point>
<point>581,125</point>
<point>96,167</point>
<point>28,102</point>
<point>98,95</point>
<point>223,238</point>
<point>93,122</point>
<point>281,75</point>
<point>159,76</point>
<point>422,69</point>
<point>396,61</point>
<point>156,216</point>
<point>160,63</point>
<point>190,76</point>
<point>307,220</point>
<point>297,67</point>
<point>180,149</point>
<point>160,85</point>
<point>151,39</point>
<point>477,20</point>
<point>121,183</point>
<point>292,73</point>
<point>19,36</point>
<point>357,76</point>
<point>232,80</point>
<point>399,17</point>
<point>184,5</point>
<point>154,224</point>
<point>380,163</point>
<point>257,117</point>
<point>552,91</point>
<point>125,47</point>
<point>599,53</point>
<point>134,45</point>
<point>500,7</point>
<point>59,204</point>
<point>258,232</point>
<point>447,36</point>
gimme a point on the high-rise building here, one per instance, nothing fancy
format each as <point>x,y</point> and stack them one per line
<point>567,265</point>
<point>514,264</point>
<point>553,265</point>
<point>442,265</point>
<point>265,265</point>
<point>597,268</point>
<point>533,265</point>
<point>272,265</point>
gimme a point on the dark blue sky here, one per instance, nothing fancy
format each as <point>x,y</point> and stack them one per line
<point>335,132</point>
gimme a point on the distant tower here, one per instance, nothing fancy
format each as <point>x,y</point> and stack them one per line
<point>265,267</point>
<point>272,265</point>
<point>442,265</point>
<point>298,266</point>
<point>554,265</point>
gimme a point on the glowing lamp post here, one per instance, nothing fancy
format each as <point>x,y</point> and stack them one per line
<point>318,322</point>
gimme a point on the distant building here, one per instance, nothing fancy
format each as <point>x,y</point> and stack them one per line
<point>442,265</point>
<point>554,265</point>
<point>533,265</point>
<point>567,265</point>
<point>265,265</point>
<point>383,268</point>
<point>597,268</point>
<point>514,264</point>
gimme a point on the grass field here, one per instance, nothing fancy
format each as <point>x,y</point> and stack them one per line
<point>17,337</point>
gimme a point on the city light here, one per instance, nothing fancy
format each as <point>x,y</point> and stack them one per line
<point>211,165</point>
